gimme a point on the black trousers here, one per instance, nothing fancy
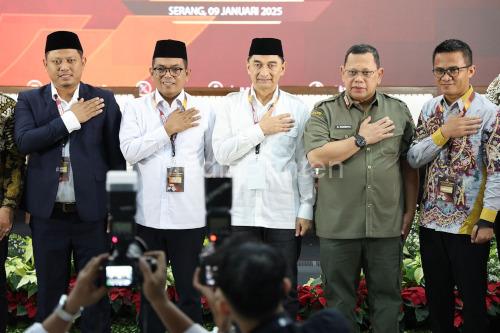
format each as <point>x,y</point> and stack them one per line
<point>449,260</point>
<point>285,241</point>
<point>182,248</point>
<point>55,240</point>
<point>4,247</point>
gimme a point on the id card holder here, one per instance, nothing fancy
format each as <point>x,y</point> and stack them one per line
<point>446,187</point>
<point>256,175</point>
<point>63,169</point>
<point>175,179</point>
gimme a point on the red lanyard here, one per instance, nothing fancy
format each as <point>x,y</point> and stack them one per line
<point>256,117</point>
<point>61,112</point>
<point>163,118</point>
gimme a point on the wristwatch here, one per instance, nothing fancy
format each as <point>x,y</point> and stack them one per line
<point>61,313</point>
<point>359,141</point>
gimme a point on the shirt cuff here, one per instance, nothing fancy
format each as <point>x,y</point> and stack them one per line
<point>256,135</point>
<point>488,215</point>
<point>305,212</point>
<point>438,138</point>
<point>195,328</point>
<point>36,328</point>
<point>70,121</point>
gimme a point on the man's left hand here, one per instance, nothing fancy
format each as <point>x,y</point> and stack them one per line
<point>302,226</point>
<point>481,235</point>
<point>407,222</point>
<point>6,218</point>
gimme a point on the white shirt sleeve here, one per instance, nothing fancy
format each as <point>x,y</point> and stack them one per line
<point>36,328</point>
<point>196,328</point>
<point>70,121</point>
<point>304,173</point>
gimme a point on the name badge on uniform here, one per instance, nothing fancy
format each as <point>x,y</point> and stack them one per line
<point>256,175</point>
<point>446,187</point>
<point>340,126</point>
<point>63,169</point>
<point>175,179</point>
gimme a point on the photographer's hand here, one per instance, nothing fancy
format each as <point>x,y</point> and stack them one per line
<point>153,288</point>
<point>154,284</point>
<point>85,291</point>
<point>220,314</point>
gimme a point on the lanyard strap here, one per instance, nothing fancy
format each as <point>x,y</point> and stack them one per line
<point>440,113</point>
<point>61,112</point>
<point>256,117</point>
<point>182,106</point>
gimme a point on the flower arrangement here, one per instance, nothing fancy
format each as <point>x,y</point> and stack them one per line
<point>22,288</point>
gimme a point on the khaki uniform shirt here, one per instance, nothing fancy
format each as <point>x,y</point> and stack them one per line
<point>363,196</point>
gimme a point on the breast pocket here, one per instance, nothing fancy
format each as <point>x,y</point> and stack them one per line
<point>392,146</point>
<point>284,146</point>
<point>337,134</point>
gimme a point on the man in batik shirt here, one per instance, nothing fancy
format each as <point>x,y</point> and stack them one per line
<point>458,138</point>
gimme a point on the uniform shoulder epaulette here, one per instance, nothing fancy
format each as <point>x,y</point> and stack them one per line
<point>329,99</point>
<point>394,98</point>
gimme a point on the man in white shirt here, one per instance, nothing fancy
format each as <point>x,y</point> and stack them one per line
<point>166,136</point>
<point>258,133</point>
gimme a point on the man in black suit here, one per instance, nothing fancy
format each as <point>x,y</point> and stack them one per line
<point>70,131</point>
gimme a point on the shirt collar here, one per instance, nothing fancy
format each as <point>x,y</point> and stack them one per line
<point>74,99</point>
<point>254,96</point>
<point>159,100</point>
<point>349,102</point>
<point>459,103</point>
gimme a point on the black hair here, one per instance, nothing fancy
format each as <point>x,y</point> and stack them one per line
<point>454,45</point>
<point>251,277</point>
<point>363,49</point>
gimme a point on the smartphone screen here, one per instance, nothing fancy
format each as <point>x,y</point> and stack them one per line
<point>119,276</point>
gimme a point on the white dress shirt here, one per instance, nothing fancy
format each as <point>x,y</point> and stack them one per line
<point>288,190</point>
<point>66,190</point>
<point>145,144</point>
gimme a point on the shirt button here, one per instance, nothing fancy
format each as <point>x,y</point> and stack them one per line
<point>368,149</point>
<point>346,136</point>
<point>369,205</point>
<point>369,187</point>
<point>369,167</point>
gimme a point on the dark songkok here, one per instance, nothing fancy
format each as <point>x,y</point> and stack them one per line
<point>266,46</point>
<point>170,48</point>
<point>62,40</point>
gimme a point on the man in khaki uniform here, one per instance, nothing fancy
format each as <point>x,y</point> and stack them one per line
<point>367,192</point>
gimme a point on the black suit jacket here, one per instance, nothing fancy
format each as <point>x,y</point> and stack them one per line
<point>94,149</point>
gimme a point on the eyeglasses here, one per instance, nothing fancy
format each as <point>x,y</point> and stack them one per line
<point>352,73</point>
<point>451,71</point>
<point>174,71</point>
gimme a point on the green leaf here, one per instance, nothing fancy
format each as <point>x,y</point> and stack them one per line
<point>419,274</point>
<point>21,310</point>
<point>26,279</point>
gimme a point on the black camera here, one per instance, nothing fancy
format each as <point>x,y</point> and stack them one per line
<point>218,196</point>
<point>121,269</point>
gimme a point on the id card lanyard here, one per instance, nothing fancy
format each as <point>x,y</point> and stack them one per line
<point>440,112</point>
<point>175,174</point>
<point>182,106</point>
<point>256,117</point>
<point>64,166</point>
